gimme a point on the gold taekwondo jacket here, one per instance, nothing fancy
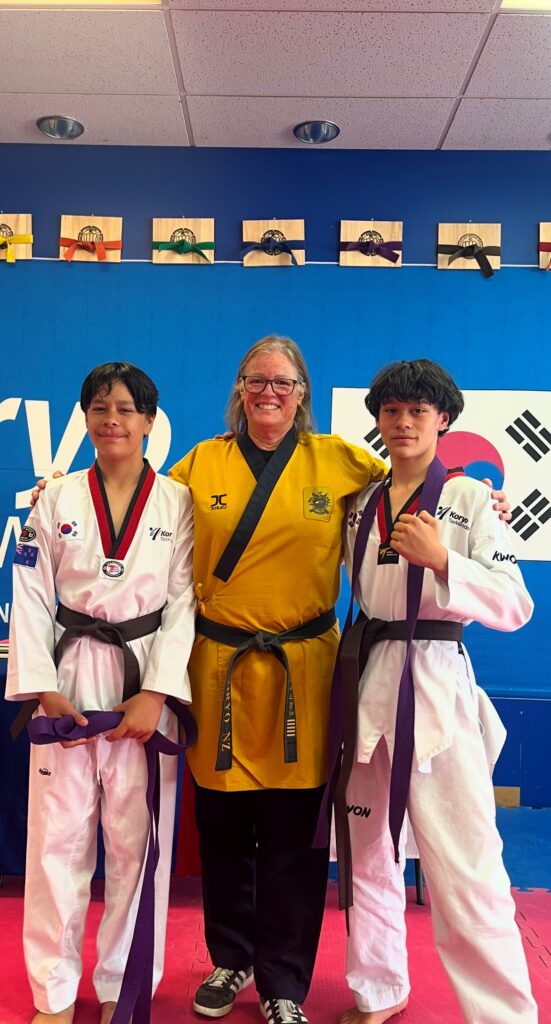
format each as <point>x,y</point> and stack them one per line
<point>288,573</point>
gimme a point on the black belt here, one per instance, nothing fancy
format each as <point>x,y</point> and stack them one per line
<point>77,624</point>
<point>267,643</point>
<point>357,644</point>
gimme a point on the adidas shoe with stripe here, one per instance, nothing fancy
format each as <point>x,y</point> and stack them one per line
<point>282,1011</point>
<point>216,996</point>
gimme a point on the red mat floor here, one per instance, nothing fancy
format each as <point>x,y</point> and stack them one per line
<point>431,1002</point>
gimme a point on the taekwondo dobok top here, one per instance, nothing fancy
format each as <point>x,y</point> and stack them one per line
<point>484,585</point>
<point>288,574</point>
<point>68,549</point>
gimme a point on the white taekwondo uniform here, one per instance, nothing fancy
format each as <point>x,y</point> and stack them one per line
<point>68,549</point>
<point>451,804</point>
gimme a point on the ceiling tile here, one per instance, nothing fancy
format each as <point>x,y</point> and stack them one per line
<point>85,52</point>
<point>108,120</point>
<point>516,60</point>
<point>501,124</point>
<point>364,124</point>
<point>325,54</point>
<point>407,6</point>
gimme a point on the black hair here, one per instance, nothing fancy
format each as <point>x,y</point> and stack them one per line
<point>101,380</point>
<point>417,381</point>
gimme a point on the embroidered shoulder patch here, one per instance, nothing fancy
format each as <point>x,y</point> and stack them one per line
<point>26,554</point>
<point>27,533</point>
<point>318,503</point>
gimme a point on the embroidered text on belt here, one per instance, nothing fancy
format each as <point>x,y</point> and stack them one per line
<point>267,643</point>
<point>357,643</point>
<point>77,624</point>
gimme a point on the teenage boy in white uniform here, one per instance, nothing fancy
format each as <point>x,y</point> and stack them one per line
<point>470,574</point>
<point>114,543</point>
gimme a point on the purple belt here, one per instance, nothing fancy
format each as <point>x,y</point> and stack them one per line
<point>405,712</point>
<point>134,1002</point>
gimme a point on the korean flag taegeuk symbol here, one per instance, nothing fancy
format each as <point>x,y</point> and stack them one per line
<point>502,435</point>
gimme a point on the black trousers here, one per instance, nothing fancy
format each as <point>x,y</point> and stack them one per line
<point>263,884</point>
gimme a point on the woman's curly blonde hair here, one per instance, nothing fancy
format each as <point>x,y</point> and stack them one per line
<point>304,420</point>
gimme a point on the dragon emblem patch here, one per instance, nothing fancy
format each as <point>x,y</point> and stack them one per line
<point>318,503</point>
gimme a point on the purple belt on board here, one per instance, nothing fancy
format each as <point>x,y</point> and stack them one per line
<point>387,250</point>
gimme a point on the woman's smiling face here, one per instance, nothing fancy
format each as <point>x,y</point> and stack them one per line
<point>267,413</point>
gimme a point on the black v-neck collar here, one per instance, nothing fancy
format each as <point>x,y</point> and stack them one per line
<point>255,457</point>
<point>388,520</point>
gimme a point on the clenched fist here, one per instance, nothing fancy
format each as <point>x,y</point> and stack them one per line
<point>417,538</point>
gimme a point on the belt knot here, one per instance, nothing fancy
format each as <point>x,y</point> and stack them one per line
<point>260,642</point>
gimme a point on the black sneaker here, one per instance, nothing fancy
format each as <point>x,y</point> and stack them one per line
<point>282,1011</point>
<point>216,996</point>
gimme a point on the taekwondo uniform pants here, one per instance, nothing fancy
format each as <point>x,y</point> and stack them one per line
<point>452,813</point>
<point>263,884</point>
<point>71,791</point>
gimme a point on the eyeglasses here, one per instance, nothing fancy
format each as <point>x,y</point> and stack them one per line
<point>256,384</point>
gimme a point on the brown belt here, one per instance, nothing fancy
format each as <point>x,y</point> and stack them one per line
<point>77,624</point>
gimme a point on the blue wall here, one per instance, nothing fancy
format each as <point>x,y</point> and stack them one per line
<point>188,326</point>
<point>420,188</point>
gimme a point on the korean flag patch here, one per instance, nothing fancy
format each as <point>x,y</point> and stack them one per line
<point>26,554</point>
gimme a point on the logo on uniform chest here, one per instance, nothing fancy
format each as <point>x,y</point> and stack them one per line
<point>317,503</point>
<point>155,532</point>
<point>446,511</point>
<point>218,502</point>
<point>112,569</point>
<point>387,555</point>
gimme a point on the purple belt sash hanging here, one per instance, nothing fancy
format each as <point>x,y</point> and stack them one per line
<point>341,761</point>
<point>405,713</point>
<point>336,712</point>
<point>134,1002</point>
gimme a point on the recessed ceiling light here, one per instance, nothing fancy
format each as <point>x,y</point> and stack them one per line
<point>526,5</point>
<point>57,126</point>
<point>316,132</point>
<point>68,4</point>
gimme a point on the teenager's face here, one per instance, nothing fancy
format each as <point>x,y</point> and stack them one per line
<point>410,429</point>
<point>115,427</point>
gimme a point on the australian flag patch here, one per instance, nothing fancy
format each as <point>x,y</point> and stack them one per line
<point>26,554</point>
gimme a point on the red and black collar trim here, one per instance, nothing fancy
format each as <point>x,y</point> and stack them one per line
<point>384,515</point>
<point>117,546</point>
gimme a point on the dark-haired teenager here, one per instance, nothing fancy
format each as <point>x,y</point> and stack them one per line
<point>470,573</point>
<point>113,543</point>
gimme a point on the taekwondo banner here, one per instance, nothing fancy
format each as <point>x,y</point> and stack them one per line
<point>503,435</point>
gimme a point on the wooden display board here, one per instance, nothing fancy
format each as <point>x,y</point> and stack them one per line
<point>375,235</point>
<point>15,226</point>
<point>260,231</point>
<point>90,230</point>
<point>194,230</point>
<point>465,236</point>
<point>545,238</point>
